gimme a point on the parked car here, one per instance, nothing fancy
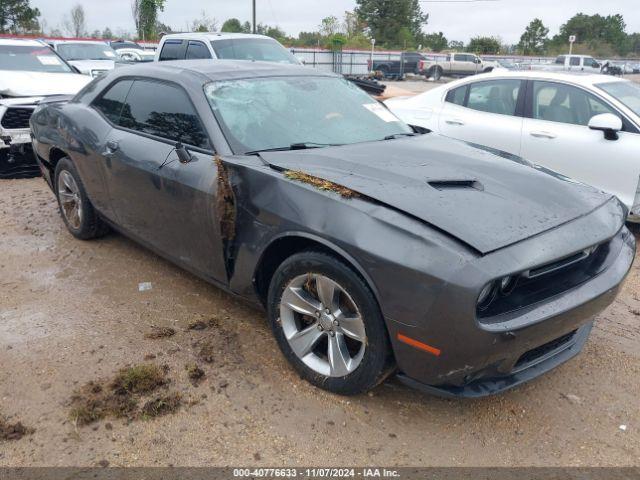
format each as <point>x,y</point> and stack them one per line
<point>131,51</point>
<point>456,65</point>
<point>373,248</point>
<point>571,63</point>
<point>29,72</point>
<point>91,58</point>
<point>224,46</point>
<point>586,127</point>
<point>407,63</point>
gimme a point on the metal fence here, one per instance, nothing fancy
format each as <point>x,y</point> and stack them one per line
<point>356,62</point>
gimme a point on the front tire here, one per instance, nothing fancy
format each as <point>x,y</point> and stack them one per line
<point>76,210</point>
<point>328,324</point>
<point>435,73</point>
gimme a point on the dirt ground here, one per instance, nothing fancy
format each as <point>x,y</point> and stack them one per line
<point>71,312</point>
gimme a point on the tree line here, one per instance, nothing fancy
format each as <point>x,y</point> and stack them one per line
<point>394,24</point>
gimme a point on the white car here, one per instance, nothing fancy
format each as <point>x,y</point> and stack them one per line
<point>586,127</point>
<point>29,72</point>
<point>89,57</point>
<point>214,45</point>
<point>132,52</point>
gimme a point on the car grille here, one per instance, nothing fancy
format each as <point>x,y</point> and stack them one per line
<point>16,117</point>
<point>536,353</point>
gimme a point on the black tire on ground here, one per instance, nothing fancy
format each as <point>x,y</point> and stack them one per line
<point>435,73</point>
<point>377,361</point>
<point>90,224</point>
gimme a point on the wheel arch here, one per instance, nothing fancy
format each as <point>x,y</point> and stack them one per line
<point>287,244</point>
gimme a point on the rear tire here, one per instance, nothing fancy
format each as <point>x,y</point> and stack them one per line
<point>76,209</point>
<point>435,73</point>
<point>341,343</point>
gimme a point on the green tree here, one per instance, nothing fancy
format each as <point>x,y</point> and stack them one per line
<point>484,45</point>
<point>145,15</point>
<point>17,16</point>
<point>392,22</point>
<point>232,25</point>
<point>246,27</point>
<point>329,26</point>
<point>594,32</point>
<point>435,42</point>
<point>534,39</point>
<point>107,34</point>
<point>456,45</point>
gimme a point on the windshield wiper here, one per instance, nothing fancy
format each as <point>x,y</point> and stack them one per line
<point>399,135</point>
<point>294,146</point>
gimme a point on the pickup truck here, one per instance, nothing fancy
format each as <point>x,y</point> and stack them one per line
<point>408,63</point>
<point>573,62</point>
<point>455,64</point>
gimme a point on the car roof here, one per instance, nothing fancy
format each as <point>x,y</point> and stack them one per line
<point>578,78</point>
<point>213,36</point>
<point>21,41</point>
<point>93,42</point>
<point>221,69</point>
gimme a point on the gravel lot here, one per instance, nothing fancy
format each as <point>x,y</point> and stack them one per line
<point>71,312</point>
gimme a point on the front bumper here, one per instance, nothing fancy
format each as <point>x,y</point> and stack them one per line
<point>16,155</point>
<point>18,161</point>
<point>475,359</point>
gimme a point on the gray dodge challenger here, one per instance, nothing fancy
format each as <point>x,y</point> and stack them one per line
<point>375,247</point>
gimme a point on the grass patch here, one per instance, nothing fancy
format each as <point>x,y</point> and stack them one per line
<point>12,431</point>
<point>321,184</point>
<point>161,405</point>
<point>139,379</point>
<point>160,332</point>
<point>118,397</point>
<point>195,373</point>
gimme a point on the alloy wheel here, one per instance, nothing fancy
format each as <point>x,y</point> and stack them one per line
<point>69,197</point>
<point>323,325</point>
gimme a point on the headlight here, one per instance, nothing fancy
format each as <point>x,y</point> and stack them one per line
<point>486,296</point>
<point>507,284</point>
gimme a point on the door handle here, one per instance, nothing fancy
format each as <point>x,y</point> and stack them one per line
<point>543,135</point>
<point>454,121</point>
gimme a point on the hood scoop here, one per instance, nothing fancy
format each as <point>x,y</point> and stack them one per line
<point>456,185</point>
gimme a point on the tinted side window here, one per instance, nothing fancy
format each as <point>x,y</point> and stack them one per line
<point>165,111</point>
<point>460,57</point>
<point>496,96</point>
<point>172,50</point>
<point>560,60</point>
<point>457,95</point>
<point>555,102</point>
<point>110,103</point>
<point>197,50</point>
<point>574,61</point>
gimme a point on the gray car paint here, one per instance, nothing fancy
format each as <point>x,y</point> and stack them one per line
<point>425,253</point>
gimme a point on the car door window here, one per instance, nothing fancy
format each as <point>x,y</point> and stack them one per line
<point>110,103</point>
<point>574,61</point>
<point>556,102</point>
<point>560,60</point>
<point>495,96</point>
<point>165,111</point>
<point>459,58</point>
<point>197,50</point>
<point>172,50</point>
<point>457,95</point>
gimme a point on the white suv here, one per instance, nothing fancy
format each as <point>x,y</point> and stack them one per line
<point>227,46</point>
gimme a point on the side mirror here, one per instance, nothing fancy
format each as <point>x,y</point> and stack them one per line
<point>608,123</point>
<point>477,60</point>
<point>183,154</point>
<point>301,60</point>
<point>596,65</point>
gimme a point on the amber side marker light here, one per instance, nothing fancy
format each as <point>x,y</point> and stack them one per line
<point>419,345</point>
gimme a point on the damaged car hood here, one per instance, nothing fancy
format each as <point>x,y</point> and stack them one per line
<point>483,200</point>
<point>40,84</point>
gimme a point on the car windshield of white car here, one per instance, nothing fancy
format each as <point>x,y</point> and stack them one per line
<point>86,51</point>
<point>258,49</point>
<point>31,59</point>
<point>281,112</point>
<point>627,93</point>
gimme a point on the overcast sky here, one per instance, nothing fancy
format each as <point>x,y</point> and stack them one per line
<point>459,21</point>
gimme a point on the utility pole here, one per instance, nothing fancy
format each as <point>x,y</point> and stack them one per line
<point>254,16</point>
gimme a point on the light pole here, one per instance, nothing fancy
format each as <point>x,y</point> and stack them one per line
<point>254,16</point>
<point>572,38</point>
<point>373,44</point>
